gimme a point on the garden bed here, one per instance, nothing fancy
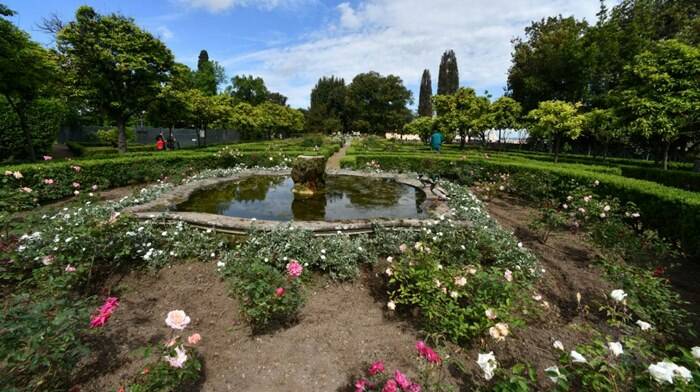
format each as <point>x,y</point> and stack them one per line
<point>341,328</point>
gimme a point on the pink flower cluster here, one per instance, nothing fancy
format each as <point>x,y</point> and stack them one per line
<point>399,382</point>
<point>426,352</point>
<point>294,268</point>
<point>104,312</point>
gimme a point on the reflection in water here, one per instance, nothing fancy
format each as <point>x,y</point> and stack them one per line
<point>345,197</point>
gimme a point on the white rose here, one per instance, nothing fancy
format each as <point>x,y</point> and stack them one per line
<point>662,372</point>
<point>490,314</point>
<point>577,358</point>
<point>391,305</point>
<point>177,319</point>
<point>460,281</point>
<point>554,374</point>
<point>618,295</point>
<point>644,325</point>
<point>558,345</point>
<point>615,348</point>
<point>487,363</point>
<point>696,352</point>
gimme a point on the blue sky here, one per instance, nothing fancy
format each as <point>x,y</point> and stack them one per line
<point>291,43</point>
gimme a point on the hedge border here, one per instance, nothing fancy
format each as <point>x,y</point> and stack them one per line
<point>675,213</point>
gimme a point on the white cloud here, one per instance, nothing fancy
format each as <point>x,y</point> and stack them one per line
<point>164,32</point>
<point>403,37</point>
<point>223,5</point>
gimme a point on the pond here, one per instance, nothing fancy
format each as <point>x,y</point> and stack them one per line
<point>343,198</point>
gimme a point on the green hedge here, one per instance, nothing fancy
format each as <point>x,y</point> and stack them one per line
<point>118,171</point>
<point>674,212</point>
<point>682,179</point>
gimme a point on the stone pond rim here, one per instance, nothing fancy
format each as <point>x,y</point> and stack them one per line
<point>163,206</point>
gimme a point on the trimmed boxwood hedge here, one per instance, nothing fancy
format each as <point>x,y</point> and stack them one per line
<point>134,168</point>
<point>682,179</point>
<point>674,212</point>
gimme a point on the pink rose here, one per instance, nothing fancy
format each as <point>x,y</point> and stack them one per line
<point>179,359</point>
<point>413,388</point>
<point>390,386</point>
<point>94,187</point>
<point>48,157</point>
<point>279,292</point>
<point>76,168</point>
<point>48,181</point>
<point>76,185</point>
<point>99,320</point>
<point>47,260</point>
<point>294,268</point>
<point>194,339</point>
<point>177,319</point>
<point>376,368</point>
<point>426,352</point>
<point>401,379</point>
<point>70,268</point>
<point>361,385</point>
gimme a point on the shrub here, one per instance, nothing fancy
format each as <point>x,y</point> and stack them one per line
<point>42,341</point>
<point>110,135</point>
<point>268,297</point>
<point>44,117</point>
<point>451,300</point>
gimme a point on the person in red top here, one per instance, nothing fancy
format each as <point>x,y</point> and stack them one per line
<point>160,143</point>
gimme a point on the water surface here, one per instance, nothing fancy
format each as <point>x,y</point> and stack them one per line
<point>345,197</point>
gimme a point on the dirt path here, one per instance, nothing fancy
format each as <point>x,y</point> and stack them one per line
<point>334,161</point>
<point>341,329</point>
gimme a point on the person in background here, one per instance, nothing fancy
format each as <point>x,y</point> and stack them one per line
<point>160,143</point>
<point>436,141</point>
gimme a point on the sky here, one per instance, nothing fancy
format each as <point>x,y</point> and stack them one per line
<point>292,43</point>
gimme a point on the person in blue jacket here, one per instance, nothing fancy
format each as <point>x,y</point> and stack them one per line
<point>436,140</point>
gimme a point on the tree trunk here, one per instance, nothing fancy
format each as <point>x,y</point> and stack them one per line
<point>29,145</point>
<point>556,148</point>
<point>590,147</point>
<point>461,141</point>
<point>667,146</point>
<point>121,127</point>
<point>605,150</point>
<point>499,136</point>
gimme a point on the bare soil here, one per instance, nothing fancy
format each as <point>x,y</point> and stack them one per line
<point>341,329</point>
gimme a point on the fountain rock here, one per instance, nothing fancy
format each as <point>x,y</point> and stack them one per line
<point>308,174</point>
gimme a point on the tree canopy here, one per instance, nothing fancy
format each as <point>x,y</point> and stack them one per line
<point>448,76</point>
<point>113,64</point>
<point>425,104</point>
<point>555,120</point>
<point>377,103</point>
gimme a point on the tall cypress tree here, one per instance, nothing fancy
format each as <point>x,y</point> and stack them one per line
<point>448,79</point>
<point>203,59</point>
<point>425,105</point>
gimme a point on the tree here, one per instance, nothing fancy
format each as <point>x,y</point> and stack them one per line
<point>506,114</point>
<point>274,119</point>
<point>209,76</point>
<point>549,64</point>
<point>244,119</point>
<point>448,77</point>
<point>204,110</point>
<point>26,69</point>
<point>328,106</point>
<point>555,120</point>
<point>425,104</point>
<point>462,113</point>
<point>421,126</point>
<point>603,126</point>
<point>377,103</point>
<point>203,59</point>
<point>247,88</point>
<point>662,92</point>
<point>170,107</point>
<point>113,64</point>
<point>277,98</point>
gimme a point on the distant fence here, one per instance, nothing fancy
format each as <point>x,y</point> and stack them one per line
<point>186,137</point>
